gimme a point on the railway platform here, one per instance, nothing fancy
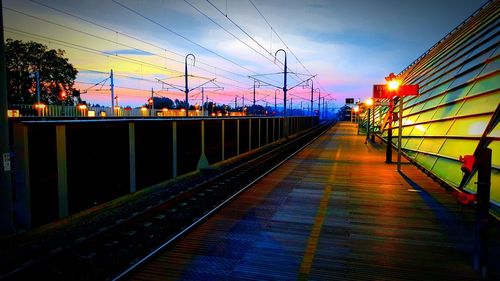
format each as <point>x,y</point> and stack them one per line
<point>335,211</point>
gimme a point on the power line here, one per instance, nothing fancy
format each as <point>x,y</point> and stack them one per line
<point>246,33</point>
<point>87,49</point>
<point>282,41</point>
<point>229,32</point>
<point>106,54</point>
<point>180,35</point>
<point>143,41</point>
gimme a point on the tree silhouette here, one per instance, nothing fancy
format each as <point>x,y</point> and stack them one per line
<point>57,75</point>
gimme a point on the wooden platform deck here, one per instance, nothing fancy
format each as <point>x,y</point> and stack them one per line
<point>335,211</point>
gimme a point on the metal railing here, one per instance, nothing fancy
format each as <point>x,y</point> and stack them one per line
<point>40,110</point>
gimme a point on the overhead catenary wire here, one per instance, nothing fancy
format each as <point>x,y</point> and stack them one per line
<point>229,32</point>
<point>125,45</point>
<point>104,53</point>
<point>282,41</point>
<point>111,54</point>
<point>180,35</point>
<point>135,38</point>
<point>246,33</point>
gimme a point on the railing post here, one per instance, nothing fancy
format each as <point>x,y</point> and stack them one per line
<point>388,151</point>
<point>62,170</point>
<point>267,130</point>
<point>131,143</point>
<point>203,161</point>
<point>174,149</point>
<point>483,162</point>
<point>249,134</point>
<point>259,143</point>
<point>223,139</point>
<point>238,137</point>
<point>22,176</point>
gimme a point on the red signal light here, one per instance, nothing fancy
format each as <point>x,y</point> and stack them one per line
<point>468,163</point>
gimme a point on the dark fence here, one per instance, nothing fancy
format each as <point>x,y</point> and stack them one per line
<point>66,166</point>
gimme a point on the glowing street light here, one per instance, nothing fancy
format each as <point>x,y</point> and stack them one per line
<point>392,82</point>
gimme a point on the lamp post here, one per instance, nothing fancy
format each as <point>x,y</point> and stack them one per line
<point>186,80</point>
<point>373,122</point>
<point>356,110</point>
<point>285,121</point>
<point>319,99</point>
<point>392,86</point>
<point>368,103</point>
<point>253,107</point>
<point>112,88</point>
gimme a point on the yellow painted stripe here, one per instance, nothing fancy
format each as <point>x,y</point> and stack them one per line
<point>312,242</point>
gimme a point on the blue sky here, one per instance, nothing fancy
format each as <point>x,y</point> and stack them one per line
<point>349,44</point>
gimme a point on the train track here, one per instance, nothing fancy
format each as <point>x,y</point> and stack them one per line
<point>115,248</point>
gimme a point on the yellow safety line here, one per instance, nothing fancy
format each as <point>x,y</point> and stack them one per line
<point>312,242</point>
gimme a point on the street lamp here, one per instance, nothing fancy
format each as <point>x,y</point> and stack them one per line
<point>186,80</point>
<point>392,82</point>
<point>83,108</point>
<point>368,103</point>
<point>392,86</point>
<point>319,99</point>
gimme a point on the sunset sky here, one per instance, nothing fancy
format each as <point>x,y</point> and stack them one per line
<point>349,44</point>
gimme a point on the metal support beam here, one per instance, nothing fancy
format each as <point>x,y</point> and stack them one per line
<point>112,86</point>
<point>131,146</point>
<point>267,130</point>
<point>174,149</point>
<point>6,205</point>
<point>22,176</point>
<point>249,134</point>
<point>238,137</point>
<point>62,170</point>
<point>203,161</point>
<point>483,162</point>
<point>400,130</point>
<point>259,144</point>
<point>388,151</point>
<point>223,139</point>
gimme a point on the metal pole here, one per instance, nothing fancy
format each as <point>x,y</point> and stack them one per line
<point>112,93</point>
<point>400,130</point>
<point>483,164</point>
<point>186,81</point>
<point>253,107</point>
<point>235,102</point>
<point>312,96</point>
<point>367,126</point>
<point>37,75</point>
<point>373,123</point>
<point>6,204</point>
<point>326,109</point>
<point>152,103</point>
<point>324,116</point>
<point>388,151</point>
<point>275,102</point>
<point>319,104</point>
<point>285,124</point>
<point>202,102</point>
